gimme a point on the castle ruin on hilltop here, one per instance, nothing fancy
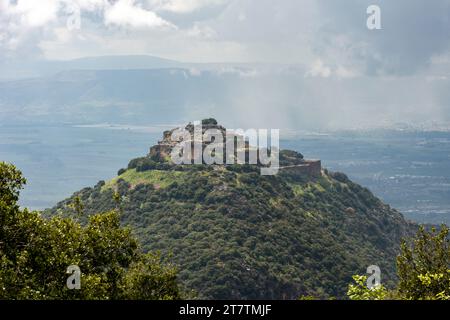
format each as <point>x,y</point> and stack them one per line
<point>291,162</point>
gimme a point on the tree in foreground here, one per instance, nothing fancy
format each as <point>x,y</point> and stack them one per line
<point>423,268</point>
<point>35,253</point>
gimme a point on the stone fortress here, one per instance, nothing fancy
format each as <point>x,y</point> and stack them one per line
<point>290,161</point>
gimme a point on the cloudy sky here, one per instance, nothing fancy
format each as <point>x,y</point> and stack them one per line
<point>408,59</point>
<point>329,35</point>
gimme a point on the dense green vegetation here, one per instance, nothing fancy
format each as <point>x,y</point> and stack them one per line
<point>423,270</point>
<point>231,232</point>
<point>35,253</point>
<point>237,234</point>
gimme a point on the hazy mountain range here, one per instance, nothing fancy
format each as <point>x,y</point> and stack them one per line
<point>150,90</point>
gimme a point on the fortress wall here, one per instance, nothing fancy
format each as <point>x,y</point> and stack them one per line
<point>312,168</point>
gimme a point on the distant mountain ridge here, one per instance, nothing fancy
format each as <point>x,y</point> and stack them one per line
<point>44,68</point>
<point>118,96</point>
<point>28,69</point>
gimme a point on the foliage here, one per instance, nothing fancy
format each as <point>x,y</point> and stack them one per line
<point>149,279</point>
<point>11,181</point>
<point>360,291</point>
<point>209,121</point>
<point>35,253</point>
<point>423,269</point>
<point>289,158</point>
<point>237,234</point>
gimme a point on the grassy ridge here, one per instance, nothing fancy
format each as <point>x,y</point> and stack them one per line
<point>157,178</point>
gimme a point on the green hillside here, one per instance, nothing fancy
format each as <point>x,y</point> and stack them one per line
<point>237,234</point>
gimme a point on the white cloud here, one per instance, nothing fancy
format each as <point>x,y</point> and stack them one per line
<point>33,21</point>
<point>199,31</point>
<point>319,69</point>
<point>343,72</point>
<point>127,13</point>
<point>184,6</point>
<point>242,17</point>
<point>305,32</point>
<point>32,13</point>
<point>89,5</point>
<point>63,35</point>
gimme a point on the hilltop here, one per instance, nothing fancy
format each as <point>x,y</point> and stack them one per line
<point>237,234</point>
